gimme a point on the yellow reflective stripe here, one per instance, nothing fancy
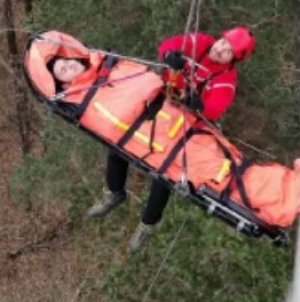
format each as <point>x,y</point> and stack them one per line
<point>146,140</point>
<point>125,127</point>
<point>225,169</point>
<point>112,118</point>
<point>176,127</point>
<point>164,115</point>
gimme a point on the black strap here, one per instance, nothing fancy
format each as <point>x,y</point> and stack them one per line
<point>242,191</point>
<point>238,172</point>
<point>108,63</point>
<point>247,162</point>
<point>176,149</point>
<point>152,135</point>
<point>65,109</point>
<point>147,114</point>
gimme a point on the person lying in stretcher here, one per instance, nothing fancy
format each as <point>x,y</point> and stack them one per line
<point>66,70</point>
<point>286,208</point>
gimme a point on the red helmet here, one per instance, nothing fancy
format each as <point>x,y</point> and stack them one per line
<point>242,42</point>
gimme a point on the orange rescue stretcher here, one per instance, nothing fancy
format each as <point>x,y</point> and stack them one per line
<point>123,105</point>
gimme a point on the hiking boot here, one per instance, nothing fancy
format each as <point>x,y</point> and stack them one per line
<point>139,238</point>
<point>109,201</point>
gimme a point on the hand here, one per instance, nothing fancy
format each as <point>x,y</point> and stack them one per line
<point>175,60</point>
<point>194,101</point>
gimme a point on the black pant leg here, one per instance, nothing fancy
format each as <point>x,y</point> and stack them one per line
<point>116,172</point>
<point>158,199</point>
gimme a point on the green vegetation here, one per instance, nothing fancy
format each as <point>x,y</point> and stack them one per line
<point>209,261</point>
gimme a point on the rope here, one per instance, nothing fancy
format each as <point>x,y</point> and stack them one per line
<point>254,148</point>
<point>71,46</point>
<point>195,4</point>
<point>188,25</point>
<point>62,95</point>
<point>164,261</point>
<point>193,67</point>
<point>211,125</point>
<point>194,9</point>
<point>184,174</point>
<point>130,218</point>
<point>105,52</point>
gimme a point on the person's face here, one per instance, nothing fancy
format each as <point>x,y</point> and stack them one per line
<point>66,70</point>
<point>221,52</point>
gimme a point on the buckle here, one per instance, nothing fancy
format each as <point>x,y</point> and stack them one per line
<point>183,189</point>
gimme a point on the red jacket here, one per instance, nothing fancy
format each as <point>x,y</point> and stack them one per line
<point>218,80</point>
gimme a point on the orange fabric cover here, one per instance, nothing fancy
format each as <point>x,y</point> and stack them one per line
<point>274,190</point>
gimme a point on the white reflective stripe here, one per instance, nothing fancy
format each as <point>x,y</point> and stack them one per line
<point>199,78</point>
<point>223,85</point>
<point>202,67</point>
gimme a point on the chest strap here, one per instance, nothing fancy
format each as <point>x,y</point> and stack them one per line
<point>148,113</point>
<point>176,149</point>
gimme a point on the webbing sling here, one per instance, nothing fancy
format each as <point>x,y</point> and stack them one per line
<point>237,171</point>
<point>152,135</point>
<point>240,170</point>
<point>179,145</point>
<point>108,63</point>
<point>147,114</point>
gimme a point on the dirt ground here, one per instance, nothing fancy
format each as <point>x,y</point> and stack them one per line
<point>37,258</point>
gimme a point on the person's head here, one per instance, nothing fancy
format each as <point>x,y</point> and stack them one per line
<point>66,70</point>
<point>236,44</point>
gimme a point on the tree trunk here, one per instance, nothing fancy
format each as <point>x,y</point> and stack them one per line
<point>297,54</point>
<point>18,93</point>
<point>9,22</point>
<point>28,6</point>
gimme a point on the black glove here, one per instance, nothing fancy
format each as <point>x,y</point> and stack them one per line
<point>194,101</point>
<point>175,60</point>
